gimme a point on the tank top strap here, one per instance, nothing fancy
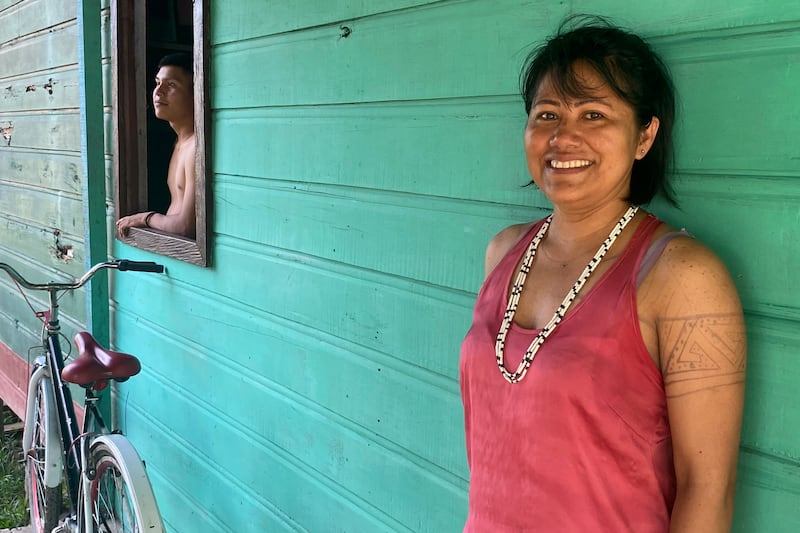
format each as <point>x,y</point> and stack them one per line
<point>641,242</point>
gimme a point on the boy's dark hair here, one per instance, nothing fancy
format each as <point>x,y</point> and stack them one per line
<point>632,70</point>
<point>178,59</point>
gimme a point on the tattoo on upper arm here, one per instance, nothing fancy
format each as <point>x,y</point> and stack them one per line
<point>703,352</point>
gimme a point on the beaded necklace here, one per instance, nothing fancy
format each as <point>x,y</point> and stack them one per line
<point>516,292</point>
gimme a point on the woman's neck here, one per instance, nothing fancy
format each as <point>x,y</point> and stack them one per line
<point>575,232</point>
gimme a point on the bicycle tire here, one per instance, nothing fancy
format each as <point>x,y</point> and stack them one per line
<point>43,449</point>
<point>122,499</point>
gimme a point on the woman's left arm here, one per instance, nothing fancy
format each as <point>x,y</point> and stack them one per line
<point>702,352</point>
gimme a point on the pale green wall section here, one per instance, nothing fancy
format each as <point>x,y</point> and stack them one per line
<point>41,177</point>
<point>308,379</point>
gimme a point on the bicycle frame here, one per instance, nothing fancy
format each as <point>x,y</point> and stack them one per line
<point>75,444</point>
<point>75,449</point>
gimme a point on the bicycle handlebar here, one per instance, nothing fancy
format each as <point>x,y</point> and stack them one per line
<point>119,264</point>
<point>139,266</point>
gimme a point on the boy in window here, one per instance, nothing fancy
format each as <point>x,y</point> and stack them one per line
<point>173,101</point>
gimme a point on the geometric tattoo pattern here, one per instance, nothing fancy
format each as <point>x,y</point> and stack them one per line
<point>707,351</point>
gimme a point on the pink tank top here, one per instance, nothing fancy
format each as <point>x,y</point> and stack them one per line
<point>582,444</point>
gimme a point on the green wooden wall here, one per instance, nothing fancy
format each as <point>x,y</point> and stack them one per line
<point>310,375</point>
<point>307,380</point>
<point>41,178</point>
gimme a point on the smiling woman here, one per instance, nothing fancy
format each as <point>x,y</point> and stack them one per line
<point>581,150</point>
<point>580,376</point>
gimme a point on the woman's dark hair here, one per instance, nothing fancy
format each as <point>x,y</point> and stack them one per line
<point>178,59</point>
<point>632,70</point>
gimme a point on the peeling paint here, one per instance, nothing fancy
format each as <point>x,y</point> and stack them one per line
<point>30,88</point>
<point>49,86</point>
<point>6,131</point>
<point>62,252</point>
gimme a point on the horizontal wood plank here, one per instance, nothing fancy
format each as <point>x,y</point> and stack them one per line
<point>286,423</point>
<point>398,57</point>
<point>55,49</point>
<point>301,359</point>
<point>47,131</point>
<point>23,169</point>
<point>766,494</point>
<point>56,211</point>
<point>772,406</point>
<point>250,19</point>
<point>469,149</point>
<point>56,89</point>
<point>417,238</point>
<point>33,16</point>
<point>34,245</point>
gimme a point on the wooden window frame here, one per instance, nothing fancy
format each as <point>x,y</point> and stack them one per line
<point>130,99</point>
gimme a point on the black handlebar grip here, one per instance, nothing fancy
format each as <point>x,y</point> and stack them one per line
<point>139,266</point>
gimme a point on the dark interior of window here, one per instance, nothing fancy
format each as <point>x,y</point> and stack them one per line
<point>169,30</point>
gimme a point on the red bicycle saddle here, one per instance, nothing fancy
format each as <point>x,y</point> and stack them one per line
<point>95,363</point>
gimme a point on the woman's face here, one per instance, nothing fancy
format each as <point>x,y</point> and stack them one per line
<point>580,152</point>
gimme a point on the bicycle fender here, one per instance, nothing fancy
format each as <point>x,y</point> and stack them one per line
<point>53,452</point>
<point>135,476</point>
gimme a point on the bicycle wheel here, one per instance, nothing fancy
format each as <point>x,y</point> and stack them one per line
<point>122,500</point>
<point>42,449</point>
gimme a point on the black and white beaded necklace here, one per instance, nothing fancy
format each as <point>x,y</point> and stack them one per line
<point>516,292</point>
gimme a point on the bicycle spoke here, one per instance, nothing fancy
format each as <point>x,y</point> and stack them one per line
<point>113,512</point>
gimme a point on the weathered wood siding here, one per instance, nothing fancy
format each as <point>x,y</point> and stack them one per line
<point>308,380</point>
<point>41,181</point>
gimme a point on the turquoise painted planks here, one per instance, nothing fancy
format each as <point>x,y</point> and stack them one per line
<point>52,89</point>
<point>301,359</point>
<point>54,49</point>
<point>398,57</point>
<point>7,4</point>
<point>275,478</point>
<point>342,231</point>
<point>772,409</point>
<point>442,68</point>
<point>278,284</point>
<point>33,16</point>
<point>30,169</point>
<point>335,224</point>
<point>728,101</point>
<point>653,19</point>
<point>288,423</point>
<point>251,19</point>
<point>766,495</point>
<point>34,205</point>
<point>356,183</point>
<point>187,511</point>
<point>32,243</point>
<point>450,149</point>
<point>57,131</point>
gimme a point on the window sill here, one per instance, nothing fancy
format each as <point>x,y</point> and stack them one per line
<point>177,246</point>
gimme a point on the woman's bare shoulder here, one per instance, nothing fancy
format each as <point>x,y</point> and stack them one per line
<point>501,243</point>
<point>690,281</point>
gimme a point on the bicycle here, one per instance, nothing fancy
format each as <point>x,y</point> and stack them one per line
<point>105,479</point>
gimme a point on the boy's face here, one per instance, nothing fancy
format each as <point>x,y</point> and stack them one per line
<point>173,96</point>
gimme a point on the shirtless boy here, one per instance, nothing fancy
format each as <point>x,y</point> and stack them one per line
<point>173,100</point>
